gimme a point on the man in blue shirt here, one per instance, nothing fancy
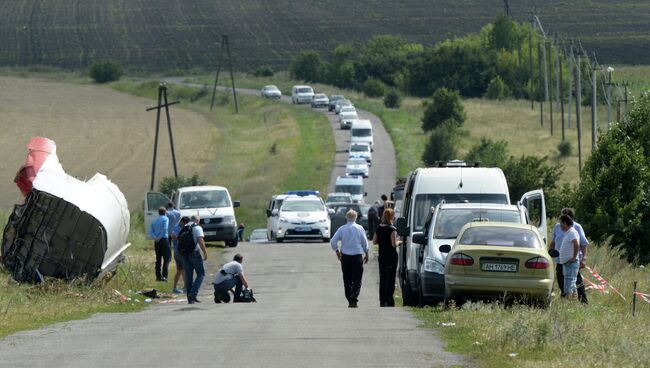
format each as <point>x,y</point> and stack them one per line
<point>353,245</point>
<point>174,217</point>
<point>160,235</point>
<point>556,242</point>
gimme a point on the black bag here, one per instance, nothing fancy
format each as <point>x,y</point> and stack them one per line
<point>186,244</point>
<point>246,297</point>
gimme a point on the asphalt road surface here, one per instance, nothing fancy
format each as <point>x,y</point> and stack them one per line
<point>301,318</point>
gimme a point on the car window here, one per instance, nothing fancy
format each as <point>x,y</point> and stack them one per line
<point>341,211</point>
<point>500,236</point>
<point>360,148</point>
<point>450,221</point>
<point>352,189</point>
<point>361,132</point>
<point>304,90</point>
<point>302,206</point>
<point>424,202</point>
<point>357,161</point>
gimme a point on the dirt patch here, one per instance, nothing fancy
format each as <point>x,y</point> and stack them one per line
<point>96,130</point>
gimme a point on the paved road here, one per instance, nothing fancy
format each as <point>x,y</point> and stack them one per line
<point>301,319</point>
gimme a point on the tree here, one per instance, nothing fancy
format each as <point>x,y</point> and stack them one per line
<point>441,145</point>
<point>505,34</point>
<point>383,57</point>
<point>489,153</point>
<point>374,88</point>
<point>169,183</point>
<point>497,89</point>
<point>308,66</point>
<point>615,182</point>
<point>392,99</point>
<point>444,106</point>
<point>529,172</point>
<point>105,71</point>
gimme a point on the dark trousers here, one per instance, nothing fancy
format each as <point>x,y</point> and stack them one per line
<point>193,262</point>
<point>580,285</point>
<point>352,267</point>
<point>163,257</point>
<point>222,288</point>
<point>387,268</point>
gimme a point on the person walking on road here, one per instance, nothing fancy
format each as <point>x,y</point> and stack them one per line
<point>352,254</point>
<point>231,274</point>
<point>386,237</point>
<point>556,242</point>
<point>193,262</point>
<point>373,219</point>
<point>159,233</point>
<point>178,256</point>
<point>569,255</point>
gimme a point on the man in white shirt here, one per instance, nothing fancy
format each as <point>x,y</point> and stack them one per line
<point>231,274</point>
<point>353,244</point>
<point>569,255</point>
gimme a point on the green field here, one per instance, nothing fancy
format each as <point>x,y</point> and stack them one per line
<point>180,35</point>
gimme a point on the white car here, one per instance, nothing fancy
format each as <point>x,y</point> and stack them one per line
<point>347,116</point>
<point>340,104</point>
<point>357,166</point>
<point>303,217</point>
<point>320,100</point>
<point>258,236</point>
<point>302,94</point>
<point>338,197</point>
<point>360,150</point>
<point>271,91</point>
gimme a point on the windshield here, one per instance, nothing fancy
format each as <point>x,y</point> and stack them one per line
<point>424,202</point>
<point>348,109</point>
<point>204,199</point>
<point>450,221</point>
<point>302,206</point>
<point>500,236</point>
<point>357,161</point>
<point>320,96</point>
<point>305,90</point>
<point>360,148</point>
<point>352,189</point>
<point>341,198</point>
<point>361,132</point>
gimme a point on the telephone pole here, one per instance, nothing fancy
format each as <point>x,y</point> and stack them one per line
<point>224,45</point>
<point>578,110</point>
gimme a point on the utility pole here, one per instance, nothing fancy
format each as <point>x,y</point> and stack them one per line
<point>625,117</point>
<point>571,60</point>
<point>162,103</point>
<point>541,86</point>
<point>609,97</point>
<point>550,69</point>
<point>224,45</point>
<point>530,59</point>
<point>560,87</point>
<point>594,102</point>
<point>578,111</point>
<point>506,7</point>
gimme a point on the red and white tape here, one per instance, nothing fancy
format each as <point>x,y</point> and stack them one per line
<point>603,282</point>
<point>591,286</point>
<point>644,296</point>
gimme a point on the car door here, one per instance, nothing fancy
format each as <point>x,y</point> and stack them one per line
<point>536,207</point>
<point>152,201</point>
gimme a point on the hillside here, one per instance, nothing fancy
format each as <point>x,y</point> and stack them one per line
<point>176,34</point>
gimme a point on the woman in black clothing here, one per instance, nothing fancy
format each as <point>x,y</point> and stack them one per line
<point>386,237</point>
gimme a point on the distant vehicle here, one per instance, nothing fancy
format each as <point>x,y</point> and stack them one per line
<point>302,94</point>
<point>442,226</point>
<point>347,116</point>
<point>258,236</point>
<point>320,100</point>
<point>360,150</point>
<point>333,100</point>
<point>340,209</point>
<point>357,166</point>
<point>361,131</point>
<point>397,196</point>
<point>352,185</point>
<point>271,91</point>
<point>340,104</point>
<point>210,202</point>
<point>338,198</point>
<point>302,217</point>
<point>498,260</point>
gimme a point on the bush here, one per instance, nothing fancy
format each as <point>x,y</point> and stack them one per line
<point>441,145</point>
<point>105,71</point>
<point>497,89</point>
<point>529,172</point>
<point>444,106</point>
<point>308,66</point>
<point>263,71</point>
<point>169,183</point>
<point>489,153</point>
<point>392,99</point>
<point>374,88</point>
<point>564,148</point>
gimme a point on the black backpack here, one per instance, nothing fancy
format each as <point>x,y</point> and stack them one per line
<point>186,244</point>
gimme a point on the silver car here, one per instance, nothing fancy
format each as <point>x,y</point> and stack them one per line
<point>357,166</point>
<point>320,100</point>
<point>271,91</point>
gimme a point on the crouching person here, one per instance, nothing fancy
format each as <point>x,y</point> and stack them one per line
<point>231,274</point>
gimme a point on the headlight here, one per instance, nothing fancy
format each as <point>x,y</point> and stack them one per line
<point>282,219</point>
<point>322,220</point>
<point>431,265</point>
<point>229,219</point>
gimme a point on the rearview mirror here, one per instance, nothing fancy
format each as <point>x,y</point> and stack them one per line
<point>274,212</point>
<point>402,229</point>
<point>236,203</point>
<point>445,248</point>
<point>365,194</point>
<point>330,211</point>
<point>553,253</point>
<point>419,238</point>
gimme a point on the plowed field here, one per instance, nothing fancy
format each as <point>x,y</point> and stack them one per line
<point>96,130</point>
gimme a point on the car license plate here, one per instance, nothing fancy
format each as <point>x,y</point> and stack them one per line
<point>209,233</point>
<point>303,228</point>
<point>499,267</point>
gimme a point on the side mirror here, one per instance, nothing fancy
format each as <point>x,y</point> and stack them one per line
<point>236,203</point>
<point>268,212</point>
<point>553,253</point>
<point>419,238</point>
<point>445,248</point>
<point>330,211</point>
<point>402,229</point>
<point>274,212</point>
<point>365,194</point>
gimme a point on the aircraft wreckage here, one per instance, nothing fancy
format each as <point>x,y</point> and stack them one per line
<point>65,228</point>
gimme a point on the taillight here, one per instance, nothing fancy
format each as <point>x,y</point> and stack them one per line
<point>537,263</point>
<point>460,259</point>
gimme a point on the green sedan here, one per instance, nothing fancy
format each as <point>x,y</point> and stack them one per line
<point>498,260</point>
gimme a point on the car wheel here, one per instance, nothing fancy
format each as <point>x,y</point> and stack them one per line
<point>326,240</point>
<point>279,240</point>
<point>232,243</point>
<point>408,297</point>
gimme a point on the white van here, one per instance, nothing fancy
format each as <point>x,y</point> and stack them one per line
<point>210,202</point>
<point>352,185</point>
<point>302,94</point>
<point>454,182</point>
<point>361,132</point>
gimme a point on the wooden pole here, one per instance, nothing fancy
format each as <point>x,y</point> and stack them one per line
<point>530,60</point>
<point>216,78</point>
<point>634,300</point>
<point>541,86</point>
<point>570,86</point>
<point>594,107</point>
<point>561,90</point>
<point>169,129</point>
<point>550,69</point>
<point>155,142</point>
<point>578,111</point>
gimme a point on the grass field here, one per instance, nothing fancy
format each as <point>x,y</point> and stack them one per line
<point>178,35</point>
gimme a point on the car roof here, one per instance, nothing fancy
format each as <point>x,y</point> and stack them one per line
<point>499,224</point>
<point>339,194</point>
<point>201,188</point>
<point>349,179</point>
<point>271,86</point>
<point>475,205</point>
<point>293,197</point>
<point>361,123</point>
